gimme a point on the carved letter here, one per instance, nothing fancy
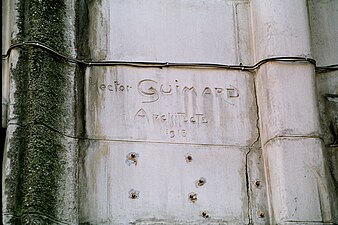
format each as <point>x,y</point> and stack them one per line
<point>102,87</point>
<point>232,92</point>
<point>172,134</point>
<point>146,89</point>
<point>116,84</point>
<point>207,91</point>
<point>141,114</point>
<point>163,117</point>
<point>110,88</point>
<point>156,116</point>
<point>121,88</point>
<point>219,90</point>
<point>168,92</point>
<point>192,119</point>
<point>186,89</point>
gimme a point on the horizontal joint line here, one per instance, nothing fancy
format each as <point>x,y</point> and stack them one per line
<point>292,136</point>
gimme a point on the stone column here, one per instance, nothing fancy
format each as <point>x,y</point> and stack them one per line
<point>7,29</point>
<point>40,162</point>
<point>289,120</point>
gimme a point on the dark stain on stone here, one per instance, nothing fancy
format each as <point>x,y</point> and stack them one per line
<point>41,94</point>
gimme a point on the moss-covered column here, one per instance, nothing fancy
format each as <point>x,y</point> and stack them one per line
<point>41,151</point>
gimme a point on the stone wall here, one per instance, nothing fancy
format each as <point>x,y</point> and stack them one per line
<point>136,142</point>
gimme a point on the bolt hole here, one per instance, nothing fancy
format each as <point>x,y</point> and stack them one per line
<point>133,194</point>
<point>260,214</point>
<point>193,197</point>
<point>205,215</point>
<point>257,183</point>
<point>188,158</point>
<point>200,182</point>
<point>132,158</point>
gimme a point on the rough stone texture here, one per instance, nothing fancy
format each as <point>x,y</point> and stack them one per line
<point>283,99</point>
<point>256,185</point>
<point>41,170</point>
<point>324,32</point>
<point>290,125</point>
<point>281,28</point>
<point>7,24</point>
<point>164,180</point>
<point>170,31</point>
<point>222,119</point>
<point>164,114</point>
<point>304,168</point>
<point>171,105</point>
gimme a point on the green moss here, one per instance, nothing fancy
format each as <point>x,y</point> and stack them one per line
<point>41,96</point>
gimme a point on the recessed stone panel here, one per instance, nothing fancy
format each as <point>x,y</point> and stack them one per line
<point>163,185</point>
<point>160,30</point>
<point>171,105</point>
<point>168,145</point>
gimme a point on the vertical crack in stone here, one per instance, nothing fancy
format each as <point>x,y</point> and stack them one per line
<point>248,191</point>
<point>83,52</point>
<point>248,183</point>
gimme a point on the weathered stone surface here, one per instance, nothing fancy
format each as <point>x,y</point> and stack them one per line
<point>170,145</point>
<point>41,161</point>
<point>281,28</point>
<point>7,24</point>
<point>171,105</point>
<point>290,126</point>
<point>291,163</point>
<point>257,185</point>
<point>164,177</point>
<point>195,31</point>
<point>287,106</point>
<point>163,114</point>
<point>324,31</point>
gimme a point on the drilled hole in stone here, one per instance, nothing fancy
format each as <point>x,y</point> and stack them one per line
<point>133,194</point>
<point>200,182</point>
<point>205,214</point>
<point>257,183</point>
<point>188,158</point>
<point>132,158</point>
<point>260,214</point>
<point>193,197</point>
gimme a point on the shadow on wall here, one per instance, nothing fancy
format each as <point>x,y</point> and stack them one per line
<point>3,138</point>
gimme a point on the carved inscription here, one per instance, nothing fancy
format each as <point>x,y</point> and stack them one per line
<point>176,122</point>
<point>172,123</point>
<point>176,133</point>
<point>179,119</point>
<point>152,90</point>
<point>116,87</point>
